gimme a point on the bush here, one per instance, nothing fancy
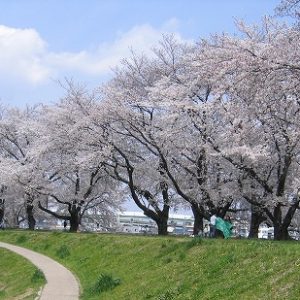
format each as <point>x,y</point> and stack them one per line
<point>104,283</point>
<point>38,276</point>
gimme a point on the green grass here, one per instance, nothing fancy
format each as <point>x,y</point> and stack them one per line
<point>114,267</point>
<point>19,279</point>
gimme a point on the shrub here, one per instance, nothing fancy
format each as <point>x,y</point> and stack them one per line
<point>38,276</point>
<point>104,283</point>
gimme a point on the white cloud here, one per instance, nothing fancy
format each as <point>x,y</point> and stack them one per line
<point>24,54</point>
<point>21,55</point>
<point>107,55</point>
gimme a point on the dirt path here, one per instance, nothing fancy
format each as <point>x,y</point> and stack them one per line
<point>61,283</point>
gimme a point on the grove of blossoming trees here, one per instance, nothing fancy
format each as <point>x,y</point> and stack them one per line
<point>214,126</point>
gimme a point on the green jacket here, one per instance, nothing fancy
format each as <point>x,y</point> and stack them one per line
<point>224,226</point>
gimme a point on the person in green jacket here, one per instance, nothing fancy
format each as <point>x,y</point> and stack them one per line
<point>224,226</point>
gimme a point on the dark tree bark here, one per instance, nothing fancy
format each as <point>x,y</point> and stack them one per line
<point>2,204</point>
<point>162,223</point>
<point>281,223</point>
<point>29,196</point>
<point>74,211</point>
<point>198,218</point>
<point>30,216</point>
<point>257,217</point>
<point>281,232</point>
<point>2,201</point>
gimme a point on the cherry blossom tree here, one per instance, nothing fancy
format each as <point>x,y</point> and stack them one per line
<point>255,99</point>
<point>17,134</point>
<point>289,8</point>
<point>210,125</point>
<point>135,135</point>
<point>151,102</point>
<point>196,175</point>
<point>73,175</point>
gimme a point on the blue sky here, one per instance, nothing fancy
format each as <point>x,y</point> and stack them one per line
<point>44,41</point>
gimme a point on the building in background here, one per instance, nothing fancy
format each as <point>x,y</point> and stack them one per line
<point>137,222</point>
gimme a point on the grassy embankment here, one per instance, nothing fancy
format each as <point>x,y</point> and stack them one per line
<point>115,267</point>
<point>19,279</point>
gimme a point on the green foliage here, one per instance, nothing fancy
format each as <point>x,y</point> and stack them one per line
<point>22,239</point>
<point>38,276</point>
<point>62,252</point>
<point>104,283</point>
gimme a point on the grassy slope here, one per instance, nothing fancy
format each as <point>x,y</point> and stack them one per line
<point>18,277</point>
<point>173,268</point>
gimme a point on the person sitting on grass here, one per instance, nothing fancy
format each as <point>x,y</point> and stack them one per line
<point>206,230</point>
<point>212,224</point>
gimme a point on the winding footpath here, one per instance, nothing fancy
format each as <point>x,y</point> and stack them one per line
<point>61,283</point>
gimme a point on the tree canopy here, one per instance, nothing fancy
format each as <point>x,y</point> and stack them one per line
<point>211,125</point>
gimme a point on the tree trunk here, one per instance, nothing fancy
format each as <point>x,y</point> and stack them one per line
<point>162,226</point>
<point>163,216</point>
<point>74,220</point>
<point>281,232</point>
<point>1,211</point>
<point>257,217</point>
<point>160,218</point>
<point>74,224</point>
<point>280,223</point>
<point>30,217</point>
<point>198,219</point>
